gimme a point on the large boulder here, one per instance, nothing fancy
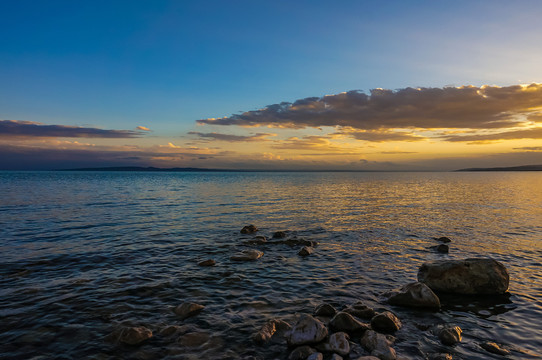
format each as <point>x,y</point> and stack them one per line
<point>325,310</point>
<point>415,294</point>
<point>469,276</point>
<point>386,322</point>
<point>307,330</point>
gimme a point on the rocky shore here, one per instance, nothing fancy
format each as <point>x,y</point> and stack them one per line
<point>352,331</point>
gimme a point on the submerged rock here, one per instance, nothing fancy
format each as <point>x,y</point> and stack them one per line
<point>415,294</point>
<point>249,229</point>
<point>209,262</point>
<point>325,310</point>
<point>494,348</point>
<point>445,249</point>
<point>247,255</point>
<point>269,329</point>
<point>343,321</point>
<point>378,345</point>
<point>469,276</point>
<point>258,240</point>
<point>301,353</point>
<point>134,335</point>
<point>443,239</point>
<point>186,310</point>
<point>450,335</point>
<point>279,235</point>
<point>386,322</point>
<point>307,330</point>
<point>194,339</point>
<point>360,310</point>
<point>306,251</point>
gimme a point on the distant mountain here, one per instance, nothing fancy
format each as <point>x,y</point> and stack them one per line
<point>512,168</point>
<point>139,168</point>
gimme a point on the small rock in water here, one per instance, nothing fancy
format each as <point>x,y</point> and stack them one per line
<point>368,358</point>
<point>325,310</point>
<point>279,235</point>
<point>301,353</point>
<point>360,310</point>
<point>443,239</point>
<point>307,330</point>
<point>469,276</point>
<point>208,262</point>
<point>445,249</point>
<point>494,348</point>
<point>343,321</point>
<point>415,294</point>
<point>335,357</point>
<point>338,343</point>
<point>194,339</point>
<point>306,251</point>
<point>450,335</point>
<point>269,329</point>
<point>186,310</point>
<point>247,255</point>
<point>169,330</point>
<point>316,356</point>
<point>258,240</point>
<point>249,229</point>
<point>444,356</point>
<point>386,322</point>
<point>378,345</point>
<point>134,335</point>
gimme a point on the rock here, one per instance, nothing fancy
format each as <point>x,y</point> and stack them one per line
<point>295,242</point>
<point>343,321</point>
<point>306,251</point>
<point>445,249</point>
<point>450,335</point>
<point>415,294</point>
<point>360,310</point>
<point>169,330</point>
<point>209,262</point>
<point>316,356</point>
<point>249,229</point>
<point>258,240</point>
<point>335,357</point>
<point>186,310</point>
<point>301,353</point>
<point>368,358</point>
<point>194,339</point>
<point>307,330</point>
<point>325,310</point>
<point>279,235</point>
<point>469,276</point>
<point>443,239</point>
<point>386,322</point>
<point>494,348</point>
<point>378,345</point>
<point>269,329</point>
<point>134,335</point>
<point>247,255</point>
<point>338,343</point>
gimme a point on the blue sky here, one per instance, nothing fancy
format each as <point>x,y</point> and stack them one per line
<point>165,64</point>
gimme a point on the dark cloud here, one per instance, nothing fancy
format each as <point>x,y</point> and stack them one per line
<point>29,129</point>
<point>467,107</point>
<point>379,135</point>
<point>232,138</point>
<point>535,133</point>
<point>529,148</point>
<point>397,152</point>
<point>310,143</point>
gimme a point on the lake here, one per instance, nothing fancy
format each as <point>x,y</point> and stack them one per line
<point>84,253</point>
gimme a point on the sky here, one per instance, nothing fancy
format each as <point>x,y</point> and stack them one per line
<point>270,85</point>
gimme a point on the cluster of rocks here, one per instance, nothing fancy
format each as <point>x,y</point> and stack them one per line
<point>444,247</point>
<point>336,334</point>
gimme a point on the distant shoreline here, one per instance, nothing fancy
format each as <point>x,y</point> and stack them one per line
<point>510,168</point>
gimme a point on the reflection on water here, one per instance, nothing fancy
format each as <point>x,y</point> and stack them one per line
<point>86,252</point>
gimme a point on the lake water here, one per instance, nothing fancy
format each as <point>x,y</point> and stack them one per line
<point>86,252</point>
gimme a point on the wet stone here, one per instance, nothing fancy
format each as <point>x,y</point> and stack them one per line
<point>194,339</point>
<point>249,229</point>
<point>325,310</point>
<point>306,251</point>
<point>494,348</point>
<point>443,239</point>
<point>343,321</point>
<point>416,295</point>
<point>445,249</point>
<point>450,335</point>
<point>208,262</point>
<point>360,310</point>
<point>279,235</point>
<point>169,330</point>
<point>378,345</point>
<point>269,329</point>
<point>247,255</point>
<point>338,343</point>
<point>336,357</point>
<point>307,330</point>
<point>444,356</point>
<point>316,356</point>
<point>301,353</point>
<point>187,310</point>
<point>386,322</point>
<point>134,335</point>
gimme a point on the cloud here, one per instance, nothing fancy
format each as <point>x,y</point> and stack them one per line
<point>379,135</point>
<point>143,128</point>
<point>534,133</point>
<point>232,138</point>
<point>529,148</point>
<point>465,107</point>
<point>30,129</point>
<point>312,143</point>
